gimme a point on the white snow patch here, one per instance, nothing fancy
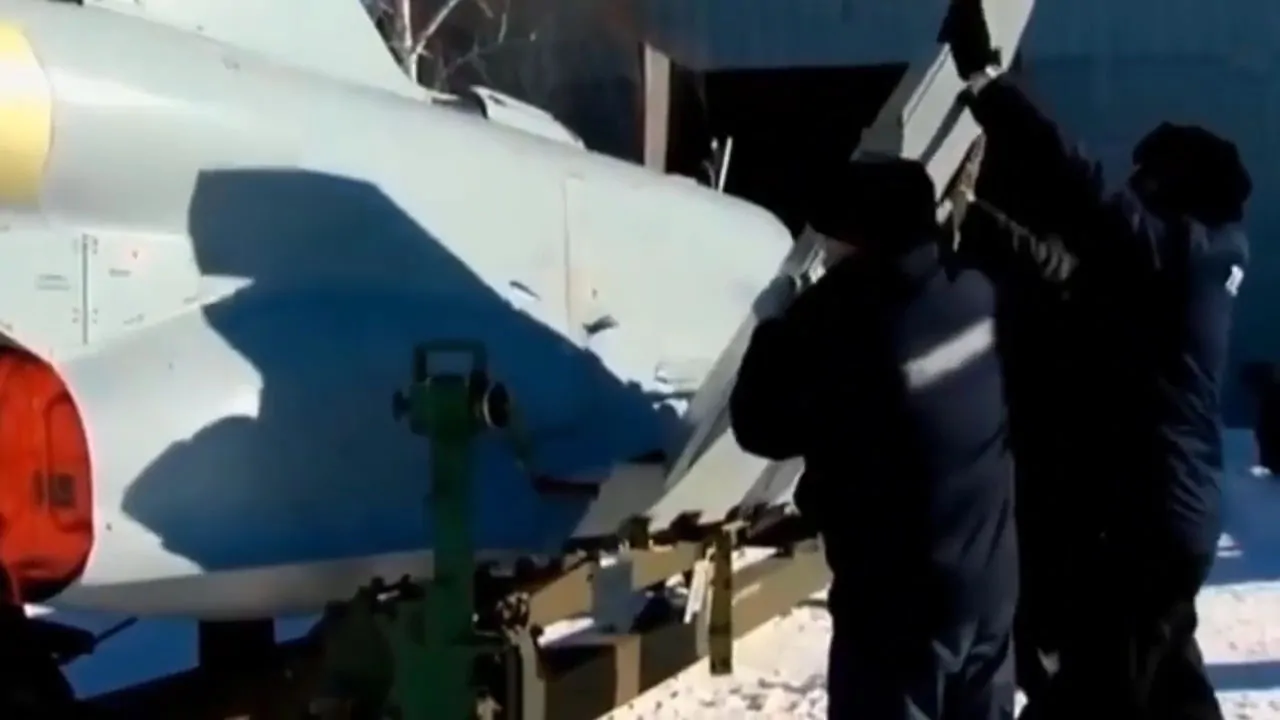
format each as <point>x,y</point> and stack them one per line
<point>780,669</point>
<point>1251,704</point>
<point>1240,623</point>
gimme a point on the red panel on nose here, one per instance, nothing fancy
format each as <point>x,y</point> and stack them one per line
<point>46,487</point>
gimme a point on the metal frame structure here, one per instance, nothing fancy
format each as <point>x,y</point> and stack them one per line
<point>249,679</point>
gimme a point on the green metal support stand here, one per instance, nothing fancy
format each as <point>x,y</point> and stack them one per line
<point>434,664</point>
<point>406,651</point>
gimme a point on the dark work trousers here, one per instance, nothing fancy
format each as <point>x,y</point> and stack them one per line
<point>1050,535</point>
<point>1039,621</point>
<point>882,668</point>
<point>1041,593</point>
<point>1132,652</point>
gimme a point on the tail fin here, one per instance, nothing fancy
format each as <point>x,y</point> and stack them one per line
<point>331,37</point>
<point>923,118</point>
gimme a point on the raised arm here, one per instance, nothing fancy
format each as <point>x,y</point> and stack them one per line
<point>1031,171</point>
<point>1058,190</point>
<point>1009,253</point>
<point>1032,174</point>
<point>780,406</point>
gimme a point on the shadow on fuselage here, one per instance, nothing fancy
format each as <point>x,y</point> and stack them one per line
<point>343,283</point>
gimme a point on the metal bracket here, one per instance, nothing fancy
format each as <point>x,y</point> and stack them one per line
<point>515,685</point>
<point>435,652</point>
<point>530,694</point>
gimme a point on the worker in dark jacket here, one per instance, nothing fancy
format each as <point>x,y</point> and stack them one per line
<point>1035,329</point>
<point>1157,268</point>
<point>883,377</point>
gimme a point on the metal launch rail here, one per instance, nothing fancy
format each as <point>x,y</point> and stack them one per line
<point>244,675</point>
<point>464,644</point>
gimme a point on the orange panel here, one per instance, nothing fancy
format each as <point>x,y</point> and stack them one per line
<point>46,492</point>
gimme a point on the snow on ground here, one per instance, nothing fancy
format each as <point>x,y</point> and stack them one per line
<point>779,672</point>
<point>780,669</point>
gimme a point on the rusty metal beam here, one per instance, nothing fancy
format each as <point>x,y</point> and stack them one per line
<point>571,594</point>
<point>583,683</point>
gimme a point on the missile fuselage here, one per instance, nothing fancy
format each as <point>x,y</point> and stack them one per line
<point>221,239</point>
<point>228,261</point>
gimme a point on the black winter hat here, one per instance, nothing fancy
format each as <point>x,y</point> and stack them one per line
<point>880,200</point>
<point>1198,172</point>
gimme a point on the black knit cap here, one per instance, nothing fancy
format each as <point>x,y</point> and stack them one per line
<point>1197,172</point>
<point>888,202</point>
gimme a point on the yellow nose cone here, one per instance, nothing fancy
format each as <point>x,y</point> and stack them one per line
<point>26,119</point>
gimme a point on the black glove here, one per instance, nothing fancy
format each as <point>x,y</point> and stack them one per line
<point>965,31</point>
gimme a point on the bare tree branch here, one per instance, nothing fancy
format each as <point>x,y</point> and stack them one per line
<point>504,24</point>
<point>433,27</point>
<point>402,28</point>
<point>477,53</point>
<point>432,56</point>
